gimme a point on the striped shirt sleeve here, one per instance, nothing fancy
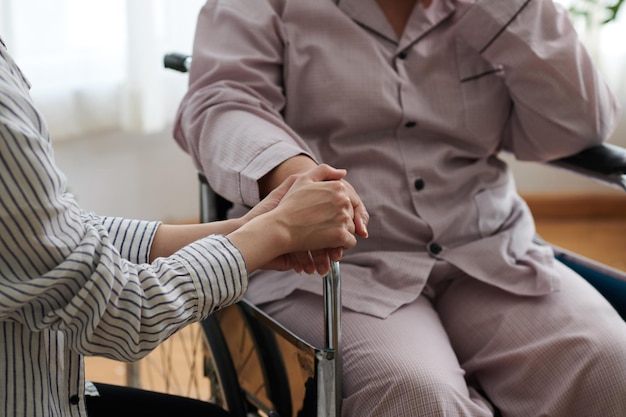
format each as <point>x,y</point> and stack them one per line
<point>66,270</point>
<point>73,283</point>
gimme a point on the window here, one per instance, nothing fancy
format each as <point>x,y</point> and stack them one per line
<point>96,65</point>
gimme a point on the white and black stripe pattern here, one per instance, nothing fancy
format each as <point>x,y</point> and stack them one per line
<point>73,283</point>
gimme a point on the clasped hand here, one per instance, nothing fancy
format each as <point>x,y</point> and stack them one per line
<point>320,215</point>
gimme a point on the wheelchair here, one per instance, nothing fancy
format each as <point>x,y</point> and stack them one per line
<point>257,367</point>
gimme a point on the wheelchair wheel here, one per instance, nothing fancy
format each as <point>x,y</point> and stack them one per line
<point>196,363</point>
<point>249,364</point>
<point>176,366</point>
<point>221,371</point>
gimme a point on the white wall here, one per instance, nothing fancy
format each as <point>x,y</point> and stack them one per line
<point>136,176</point>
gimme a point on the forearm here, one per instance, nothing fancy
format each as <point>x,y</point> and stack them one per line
<point>259,242</point>
<point>170,238</point>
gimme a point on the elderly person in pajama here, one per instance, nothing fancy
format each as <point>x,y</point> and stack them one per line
<point>450,307</point>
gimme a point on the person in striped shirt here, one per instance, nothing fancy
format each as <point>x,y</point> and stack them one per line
<point>73,283</point>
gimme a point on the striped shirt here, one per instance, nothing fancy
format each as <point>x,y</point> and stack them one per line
<point>73,283</point>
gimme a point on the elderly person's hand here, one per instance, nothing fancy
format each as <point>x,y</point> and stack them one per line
<point>315,212</point>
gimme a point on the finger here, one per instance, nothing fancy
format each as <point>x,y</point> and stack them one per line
<point>335,254</point>
<point>295,263</point>
<point>325,172</point>
<point>322,261</point>
<point>349,241</point>
<point>361,216</point>
<point>305,261</point>
<point>282,263</point>
<point>280,191</point>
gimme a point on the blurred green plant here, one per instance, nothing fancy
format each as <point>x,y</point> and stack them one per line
<point>602,11</point>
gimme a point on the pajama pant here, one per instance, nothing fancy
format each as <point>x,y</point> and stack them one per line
<point>464,346</point>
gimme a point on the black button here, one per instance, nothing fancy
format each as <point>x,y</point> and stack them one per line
<point>74,399</point>
<point>435,248</point>
<point>410,124</point>
<point>402,55</point>
<point>419,184</point>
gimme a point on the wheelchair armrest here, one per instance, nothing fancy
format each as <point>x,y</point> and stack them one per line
<point>605,162</point>
<point>177,61</point>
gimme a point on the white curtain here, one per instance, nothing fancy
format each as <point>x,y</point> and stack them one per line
<point>97,65</point>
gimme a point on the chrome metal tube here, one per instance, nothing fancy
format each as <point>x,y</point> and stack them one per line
<point>332,334</point>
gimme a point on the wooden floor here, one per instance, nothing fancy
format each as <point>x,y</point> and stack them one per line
<point>602,239</point>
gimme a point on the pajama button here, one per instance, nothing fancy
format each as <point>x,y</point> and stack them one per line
<point>402,55</point>
<point>419,184</point>
<point>434,248</point>
<point>74,399</point>
<point>410,124</point>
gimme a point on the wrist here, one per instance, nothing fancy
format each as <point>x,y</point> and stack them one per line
<point>294,165</point>
<point>261,240</point>
<point>238,222</point>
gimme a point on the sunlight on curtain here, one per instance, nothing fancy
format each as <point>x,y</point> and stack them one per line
<point>96,65</point>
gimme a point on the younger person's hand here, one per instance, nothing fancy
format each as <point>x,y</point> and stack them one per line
<point>317,211</point>
<point>319,260</point>
<point>311,212</point>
